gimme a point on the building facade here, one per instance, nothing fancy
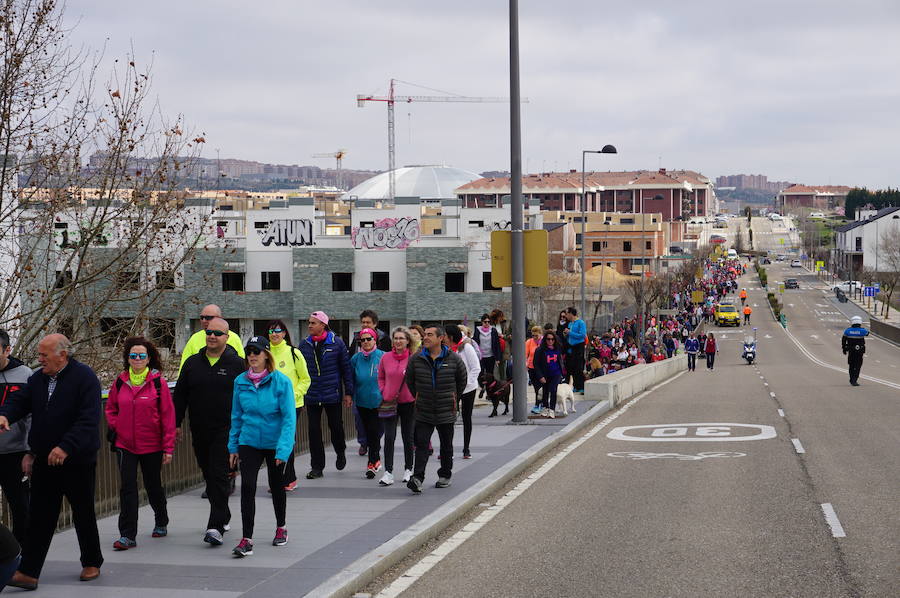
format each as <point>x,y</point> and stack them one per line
<point>822,197</point>
<point>857,244</point>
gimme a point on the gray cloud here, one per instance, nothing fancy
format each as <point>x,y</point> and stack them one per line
<point>803,91</point>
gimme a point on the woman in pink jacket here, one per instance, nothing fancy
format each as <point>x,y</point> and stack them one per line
<point>140,416</point>
<point>397,404</point>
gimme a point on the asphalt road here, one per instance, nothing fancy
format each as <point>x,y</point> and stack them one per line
<point>664,517</point>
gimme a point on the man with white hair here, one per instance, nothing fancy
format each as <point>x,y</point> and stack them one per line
<point>853,344</point>
<point>63,398</point>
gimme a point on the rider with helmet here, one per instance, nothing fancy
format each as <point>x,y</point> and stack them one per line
<point>853,344</point>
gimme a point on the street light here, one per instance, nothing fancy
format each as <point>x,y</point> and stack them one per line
<point>607,149</point>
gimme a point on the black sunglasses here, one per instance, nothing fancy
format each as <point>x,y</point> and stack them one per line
<point>207,317</point>
<point>216,332</point>
<point>254,350</point>
<point>366,339</point>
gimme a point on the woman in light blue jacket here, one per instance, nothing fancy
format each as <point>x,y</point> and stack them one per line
<point>263,423</point>
<point>367,395</point>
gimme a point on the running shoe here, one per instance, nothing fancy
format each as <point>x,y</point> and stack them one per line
<point>244,548</point>
<point>124,543</point>
<point>281,537</point>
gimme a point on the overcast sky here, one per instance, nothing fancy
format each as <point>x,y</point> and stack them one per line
<point>806,91</point>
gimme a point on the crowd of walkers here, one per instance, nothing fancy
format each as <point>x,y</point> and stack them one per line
<point>243,403</point>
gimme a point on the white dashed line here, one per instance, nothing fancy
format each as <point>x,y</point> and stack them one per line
<point>797,446</point>
<point>772,394</point>
<point>781,412</point>
<point>837,530</point>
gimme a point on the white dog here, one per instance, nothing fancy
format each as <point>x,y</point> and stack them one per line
<point>564,393</point>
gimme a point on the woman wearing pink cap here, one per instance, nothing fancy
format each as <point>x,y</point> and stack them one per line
<point>331,385</point>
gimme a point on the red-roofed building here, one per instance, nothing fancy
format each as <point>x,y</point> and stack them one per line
<point>819,197</point>
<point>683,193</point>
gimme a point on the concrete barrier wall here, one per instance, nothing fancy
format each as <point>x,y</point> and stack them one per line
<point>882,329</point>
<point>624,384</point>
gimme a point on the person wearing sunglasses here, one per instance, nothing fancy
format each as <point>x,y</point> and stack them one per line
<point>367,395</point>
<point>140,415</point>
<point>290,362</point>
<point>204,390</point>
<point>263,427</point>
<point>198,339</point>
<point>488,340</point>
<point>330,389</point>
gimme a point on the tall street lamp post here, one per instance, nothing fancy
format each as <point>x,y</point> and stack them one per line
<point>607,149</point>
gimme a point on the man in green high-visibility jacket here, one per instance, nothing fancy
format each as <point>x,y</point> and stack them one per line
<point>198,339</point>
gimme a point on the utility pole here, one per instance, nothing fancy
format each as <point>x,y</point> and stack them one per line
<point>520,381</point>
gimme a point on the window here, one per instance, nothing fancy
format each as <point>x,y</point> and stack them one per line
<point>234,325</point>
<point>455,282</point>
<point>380,281</point>
<point>256,225</point>
<point>476,223</point>
<point>128,280</point>
<point>162,332</point>
<point>626,246</point>
<point>486,282</point>
<point>626,221</point>
<point>271,281</point>
<point>341,281</point>
<point>232,281</point>
<point>367,224</point>
<point>165,279</point>
<point>598,245</point>
<point>63,278</point>
<point>261,328</point>
<point>113,330</point>
<point>648,245</point>
<point>578,238</point>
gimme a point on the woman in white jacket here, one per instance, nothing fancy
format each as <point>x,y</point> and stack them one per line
<point>463,346</point>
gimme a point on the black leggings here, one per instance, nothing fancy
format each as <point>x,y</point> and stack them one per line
<point>710,360</point>
<point>487,364</point>
<point>406,413</point>
<point>290,474</point>
<point>549,400</point>
<point>468,404</point>
<point>251,460</point>
<point>151,467</point>
<point>372,424</point>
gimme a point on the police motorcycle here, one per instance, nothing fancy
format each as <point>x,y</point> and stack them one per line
<point>749,352</point>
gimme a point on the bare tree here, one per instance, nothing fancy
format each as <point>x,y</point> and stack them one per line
<point>888,275</point>
<point>95,251</point>
<point>739,239</point>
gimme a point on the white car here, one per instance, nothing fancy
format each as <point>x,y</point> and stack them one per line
<point>796,264</point>
<point>847,285</point>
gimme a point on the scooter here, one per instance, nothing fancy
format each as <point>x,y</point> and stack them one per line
<point>749,348</point>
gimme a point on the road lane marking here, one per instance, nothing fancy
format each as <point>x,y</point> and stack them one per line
<point>781,412</point>
<point>411,575</point>
<point>636,456</point>
<point>772,394</point>
<point>837,530</point>
<point>797,446</point>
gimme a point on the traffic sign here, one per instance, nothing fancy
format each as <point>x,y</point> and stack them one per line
<point>868,291</point>
<point>820,265</point>
<point>877,286</point>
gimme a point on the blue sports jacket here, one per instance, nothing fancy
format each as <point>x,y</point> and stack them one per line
<point>263,416</point>
<point>329,370</point>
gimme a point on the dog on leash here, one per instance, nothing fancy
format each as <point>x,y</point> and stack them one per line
<point>565,393</point>
<point>497,391</point>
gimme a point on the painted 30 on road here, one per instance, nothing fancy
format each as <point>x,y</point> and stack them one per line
<point>693,432</point>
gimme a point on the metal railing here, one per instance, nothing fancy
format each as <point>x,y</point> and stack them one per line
<point>180,475</point>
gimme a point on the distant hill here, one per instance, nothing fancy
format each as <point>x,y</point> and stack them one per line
<point>746,195</point>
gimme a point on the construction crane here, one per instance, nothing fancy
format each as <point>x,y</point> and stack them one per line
<point>391,98</point>
<point>339,157</point>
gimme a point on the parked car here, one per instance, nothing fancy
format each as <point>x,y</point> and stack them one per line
<point>796,264</point>
<point>791,283</point>
<point>847,285</point>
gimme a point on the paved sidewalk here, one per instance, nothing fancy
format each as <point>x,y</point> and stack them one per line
<point>333,522</point>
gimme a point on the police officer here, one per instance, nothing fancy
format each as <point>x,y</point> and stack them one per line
<point>853,343</point>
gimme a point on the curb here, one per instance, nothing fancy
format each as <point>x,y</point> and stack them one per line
<point>371,565</point>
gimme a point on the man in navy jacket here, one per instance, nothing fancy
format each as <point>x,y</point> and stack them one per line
<point>63,399</point>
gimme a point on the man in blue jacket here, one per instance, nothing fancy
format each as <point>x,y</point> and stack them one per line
<point>63,398</point>
<point>853,344</point>
<point>692,347</point>
<point>331,384</point>
<point>576,335</point>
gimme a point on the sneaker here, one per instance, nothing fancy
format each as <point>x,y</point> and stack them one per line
<point>226,527</point>
<point>536,410</point>
<point>341,462</point>
<point>387,479</point>
<point>551,414</point>
<point>281,537</point>
<point>377,466</point>
<point>467,454</point>
<point>313,474</point>
<point>442,483</point>
<point>244,548</point>
<point>363,450</point>
<point>160,531</point>
<point>124,543</point>
<point>545,413</point>
<point>213,537</point>
<point>291,487</point>
<point>407,474</point>
<point>370,471</point>
<point>415,484</point>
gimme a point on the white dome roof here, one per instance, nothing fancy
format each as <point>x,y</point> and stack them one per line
<point>426,182</point>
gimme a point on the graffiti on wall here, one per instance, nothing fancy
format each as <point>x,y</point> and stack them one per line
<point>292,233</point>
<point>387,233</point>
